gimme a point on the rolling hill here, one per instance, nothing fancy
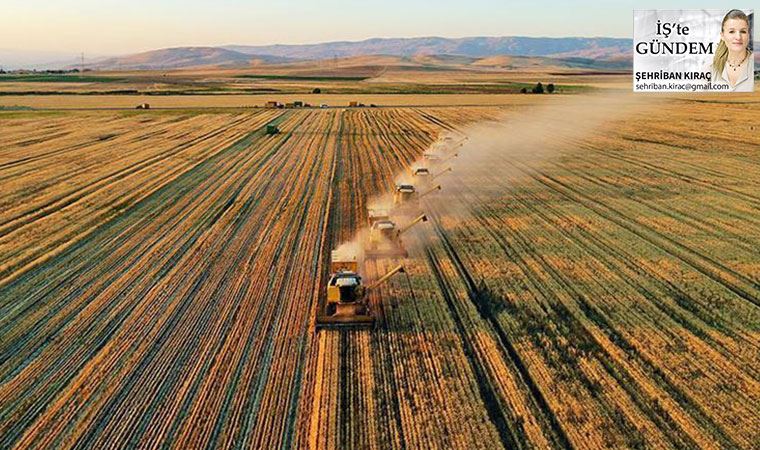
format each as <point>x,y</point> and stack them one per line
<point>183,57</point>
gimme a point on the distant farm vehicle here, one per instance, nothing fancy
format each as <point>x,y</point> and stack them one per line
<point>143,106</point>
<point>272,129</point>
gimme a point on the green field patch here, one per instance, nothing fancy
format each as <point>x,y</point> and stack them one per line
<point>57,78</point>
<point>15,108</point>
<point>10,114</point>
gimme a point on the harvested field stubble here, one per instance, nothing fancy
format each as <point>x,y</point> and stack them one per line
<point>160,274</point>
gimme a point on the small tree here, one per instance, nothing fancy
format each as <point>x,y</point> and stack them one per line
<point>550,88</point>
<point>524,90</point>
<point>316,91</point>
<point>539,89</point>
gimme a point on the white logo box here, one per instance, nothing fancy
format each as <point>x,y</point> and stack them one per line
<point>673,50</point>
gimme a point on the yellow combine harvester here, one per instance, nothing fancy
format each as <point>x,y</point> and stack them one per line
<point>406,195</point>
<point>346,304</point>
<point>385,240</point>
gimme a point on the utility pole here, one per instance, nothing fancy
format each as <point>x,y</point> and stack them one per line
<point>81,68</point>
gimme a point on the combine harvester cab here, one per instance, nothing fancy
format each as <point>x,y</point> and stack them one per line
<point>423,176</point>
<point>405,195</point>
<point>376,215</point>
<point>449,143</point>
<point>421,172</point>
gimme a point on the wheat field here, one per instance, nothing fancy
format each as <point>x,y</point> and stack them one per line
<point>575,287</point>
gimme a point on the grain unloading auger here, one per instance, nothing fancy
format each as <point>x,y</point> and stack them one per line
<point>448,169</point>
<point>431,190</point>
<point>448,158</point>
<point>385,240</point>
<point>347,304</point>
<point>449,141</point>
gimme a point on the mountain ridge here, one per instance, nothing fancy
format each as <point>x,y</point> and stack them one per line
<point>603,51</point>
<point>183,57</point>
<point>478,46</point>
<point>241,56</point>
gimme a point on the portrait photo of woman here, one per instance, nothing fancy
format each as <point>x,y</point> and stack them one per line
<point>733,63</point>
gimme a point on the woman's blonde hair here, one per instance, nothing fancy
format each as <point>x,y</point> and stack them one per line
<point>721,54</point>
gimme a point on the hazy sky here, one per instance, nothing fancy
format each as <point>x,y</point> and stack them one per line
<point>108,27</point>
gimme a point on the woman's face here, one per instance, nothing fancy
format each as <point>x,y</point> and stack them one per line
<point>735,34</point>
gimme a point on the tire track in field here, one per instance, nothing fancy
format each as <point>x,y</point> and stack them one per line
<point>191,290</point>
<point>72,196</point>
<point>677,215</point>
<point>111,210</point>
<point>729,192</point>
<point>737,283</point>
<point>615,257</point>
<point>192,177</point>
<point>614,263</point>
<point>63,150</point>
<point>541,407</point>
<point>607,360</point>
